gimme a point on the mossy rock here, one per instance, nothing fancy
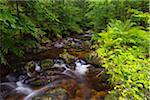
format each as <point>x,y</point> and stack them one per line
<point>86,44</point>
<point>30,66</point>
<point>68,58</point>
<point>55,94</point>
<point>46,63</point>
<point>39,82</point>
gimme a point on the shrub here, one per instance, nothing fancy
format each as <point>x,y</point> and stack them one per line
<point>122,49</point>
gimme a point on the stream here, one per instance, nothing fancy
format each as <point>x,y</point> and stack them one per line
<point>65,70</point>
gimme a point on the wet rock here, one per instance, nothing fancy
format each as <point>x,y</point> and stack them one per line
<point>55,94</point>
<point>68,57</point>
<point>39,82</point>
<point>86,44</point>
<point>30,68</point>
<point>46,63</point>
<point>68,43</point>
<point>32,76</point>
<point>59,45</point>
<point>29,65</point>
<point>86,36</point>
<point>42,45</point>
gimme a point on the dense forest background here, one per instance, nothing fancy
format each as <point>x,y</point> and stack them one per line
<point>119,28</point>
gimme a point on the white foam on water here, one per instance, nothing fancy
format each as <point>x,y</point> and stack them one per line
<point>37,67</point>
<point>22,88</point>
<point>81,68</point>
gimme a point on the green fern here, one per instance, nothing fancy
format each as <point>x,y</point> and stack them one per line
<point>122,49</point>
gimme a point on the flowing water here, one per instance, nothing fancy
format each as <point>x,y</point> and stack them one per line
<point>24,92</point>
<point>77,77</point>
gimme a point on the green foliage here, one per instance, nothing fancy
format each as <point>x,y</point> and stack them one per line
<point>122,48</point>
<point>100,12</point>
<point>24,21</point>
<point>12,29</point>
<point>56,17</point>
<point>8,27</point>
<point>141,18</point>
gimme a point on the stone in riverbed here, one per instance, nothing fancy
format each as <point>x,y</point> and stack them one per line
<point>68,58</point>
<point>55,94</point>
<point>46,63</point>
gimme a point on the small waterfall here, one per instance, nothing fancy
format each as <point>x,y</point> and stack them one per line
<point>41,91</point>
<point>81,69</point>
<point>9,88</point>
<point>6,89</point>
<point>37,67</point>
<point>9,84</point>
<point>22,88</point>
<point>76,74</point>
